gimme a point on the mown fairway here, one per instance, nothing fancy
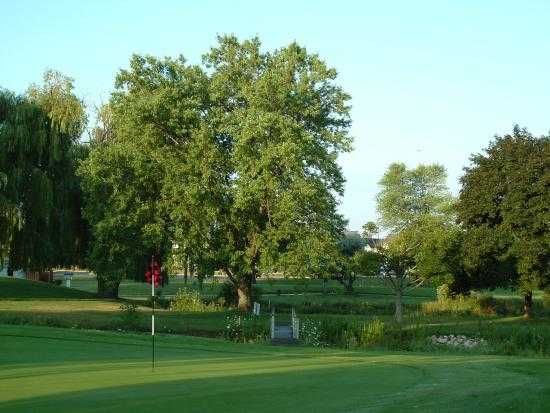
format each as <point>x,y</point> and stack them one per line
<point>55,370</point>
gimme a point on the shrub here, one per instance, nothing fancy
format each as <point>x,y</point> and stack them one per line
<point>443,292</point>
<point>310,332</point>
<point>242,329</point>
<point>372,333</point>
<point>349,338</point>
<point>190,300</point>
<point>457,305</point>
<point>129,316</point>
<point>160,302</point>
<point>484,303</point>
<point>475,304</point>
<point>335,331</point>
<point>339,307</point>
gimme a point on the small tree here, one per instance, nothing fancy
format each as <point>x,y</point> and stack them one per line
<point>370,229</point>
<point>416,207</point>
<point>351,244</point>
<point>398,267</point>
<point>367,263</point>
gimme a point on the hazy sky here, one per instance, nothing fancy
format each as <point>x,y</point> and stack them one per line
<point>431,81</point>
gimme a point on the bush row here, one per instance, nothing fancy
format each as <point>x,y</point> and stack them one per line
<point>515,339</point>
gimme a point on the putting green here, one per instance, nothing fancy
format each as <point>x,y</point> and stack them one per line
<point>55,370</point>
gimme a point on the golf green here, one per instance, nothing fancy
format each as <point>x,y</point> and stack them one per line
<point>61,370</point>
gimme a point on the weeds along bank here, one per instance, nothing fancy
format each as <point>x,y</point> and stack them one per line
<point>478,323</point>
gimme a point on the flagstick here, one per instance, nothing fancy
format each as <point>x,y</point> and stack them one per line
<point>153,314</point>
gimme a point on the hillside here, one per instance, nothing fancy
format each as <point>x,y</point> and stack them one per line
<point>16,288</point>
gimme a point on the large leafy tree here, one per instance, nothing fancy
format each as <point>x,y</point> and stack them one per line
<point>40,211</point>
<point>246,151</point>
<point>285,121</point>
<point>121,185</point>
<point>151,178</point>
<point>505,210</point>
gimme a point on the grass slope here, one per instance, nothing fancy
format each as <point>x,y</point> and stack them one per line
<point>56,370</point>
<point>15,288</point>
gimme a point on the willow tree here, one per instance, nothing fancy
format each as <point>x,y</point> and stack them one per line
<point>245,148</point>
<point>38,157</point>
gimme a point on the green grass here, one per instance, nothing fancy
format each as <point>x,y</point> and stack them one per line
<point>14,288</point>
<point>56,370</point>
<point>372,287</point>
<point>76,369</point>
<point>106,315</point>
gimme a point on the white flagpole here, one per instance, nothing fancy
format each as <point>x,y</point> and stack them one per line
<point>153,313</point>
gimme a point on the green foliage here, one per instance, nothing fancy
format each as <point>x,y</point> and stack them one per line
<point>439,255</point>
<point>409,195</point>
<point>65,111</point>
<point>310,332</point>
<point>191,300</point>
<point>40,222</point>
<point>246,329</point>
<point>121,185</point>
<point>351,243</point>
<point>443,292</point>
<point>235,162</point>
<point>336,307</point>
<point>369,230</point>
<point>504,210</point>
<point>15,288</point>
<point>424,244</point>
<point>367,263</point>
<point>129,316</point>
<point>473,304</point>
<point>372,333</point>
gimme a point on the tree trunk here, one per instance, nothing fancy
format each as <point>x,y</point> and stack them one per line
<point>107,288</point>
<point>10,270</point>
<point>528,304</point>
<point>244,292</point>
<point>185,270</point>
<point>348,286</point>
<point>349,280</point>
<point>398,306</point>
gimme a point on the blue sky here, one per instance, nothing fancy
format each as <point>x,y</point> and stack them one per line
<point>431,81</point>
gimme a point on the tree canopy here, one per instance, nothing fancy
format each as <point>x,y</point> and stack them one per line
<point>504,208</point>
<point>416,207</point>
<point>244,149</point>
<point>409,195</point>
<point>40,212</point>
